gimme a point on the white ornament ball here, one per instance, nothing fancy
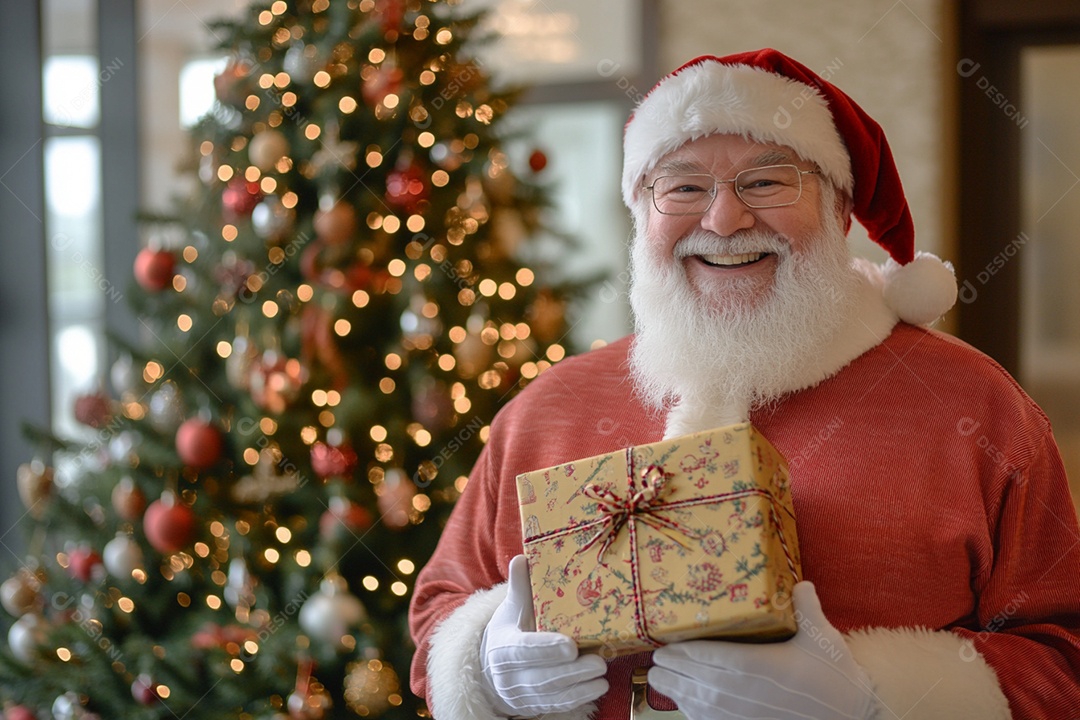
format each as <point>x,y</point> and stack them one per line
<point>26,635</point>
<point>271,220</point>
<point>266,148</point>
<point>68,707</point>
<point>330,614</point>
<point>166,408</point>
<point>301,63</point>
<point>122,555</point>
<point>126,378</point>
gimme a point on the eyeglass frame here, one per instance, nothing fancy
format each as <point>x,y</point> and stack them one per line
<point>735,188</point>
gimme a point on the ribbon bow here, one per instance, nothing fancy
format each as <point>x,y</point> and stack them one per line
<point>641,502</point>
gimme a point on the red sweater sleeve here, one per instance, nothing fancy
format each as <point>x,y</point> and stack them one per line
<point>1029,605</point>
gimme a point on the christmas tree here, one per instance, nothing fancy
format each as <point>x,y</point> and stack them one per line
<point>332,322</point>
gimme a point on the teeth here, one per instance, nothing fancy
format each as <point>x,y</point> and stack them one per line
<point>732,259</point>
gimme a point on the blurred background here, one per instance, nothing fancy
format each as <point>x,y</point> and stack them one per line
<point>977,99</point>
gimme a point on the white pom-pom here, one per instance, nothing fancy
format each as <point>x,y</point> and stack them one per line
<point>921,291</point>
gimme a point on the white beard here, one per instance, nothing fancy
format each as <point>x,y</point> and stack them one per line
<point>715,363</point>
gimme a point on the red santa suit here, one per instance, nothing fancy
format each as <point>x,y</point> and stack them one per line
<point>933,513</point>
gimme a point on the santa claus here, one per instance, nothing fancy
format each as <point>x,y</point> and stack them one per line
<point>940,548</point>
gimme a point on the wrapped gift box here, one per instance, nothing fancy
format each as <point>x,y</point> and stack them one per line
<point>690,537</point>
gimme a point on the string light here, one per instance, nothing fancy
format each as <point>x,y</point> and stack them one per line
<point>556,352</point>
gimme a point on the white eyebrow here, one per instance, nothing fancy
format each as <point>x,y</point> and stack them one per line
<point>682,167</point>
<point>773,157</point>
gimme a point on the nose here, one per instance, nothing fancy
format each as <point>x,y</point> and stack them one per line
<point>728,213</point>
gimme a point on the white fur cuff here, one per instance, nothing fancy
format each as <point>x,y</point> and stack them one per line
<point>921,674</point>
<point>455,680</point>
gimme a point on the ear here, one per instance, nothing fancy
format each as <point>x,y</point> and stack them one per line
<point>844,205</point>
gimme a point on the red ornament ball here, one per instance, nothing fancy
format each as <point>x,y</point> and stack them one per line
<point>538,160</point>
<point>81,563</point>
<point>198,444</point>
<point>19,712</point>
<point>93,410</point>
<point>406,187</point>
<point>169,525</point>
<point>154,269</point>
<point>143,690</point>
<point>240,197</point>
<point>329,461</point>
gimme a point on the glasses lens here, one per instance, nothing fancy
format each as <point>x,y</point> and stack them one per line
<point>683,194</point>
<point>769,186</point>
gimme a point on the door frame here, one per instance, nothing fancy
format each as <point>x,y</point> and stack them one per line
<point>992,34</point>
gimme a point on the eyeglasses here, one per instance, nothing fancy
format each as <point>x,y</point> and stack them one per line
<point>761,187</point>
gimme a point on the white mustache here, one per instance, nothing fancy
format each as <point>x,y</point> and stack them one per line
<point>706,243</point>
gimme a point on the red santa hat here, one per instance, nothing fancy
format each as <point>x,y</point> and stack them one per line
<point>768,97</point>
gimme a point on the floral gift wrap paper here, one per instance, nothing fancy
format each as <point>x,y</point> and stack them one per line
<point>686,538</point>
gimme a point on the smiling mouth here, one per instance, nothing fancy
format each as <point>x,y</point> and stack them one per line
<point>733,260</point>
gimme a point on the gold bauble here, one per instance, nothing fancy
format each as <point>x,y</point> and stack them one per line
<point>35,482</point>
<point>371,687</point>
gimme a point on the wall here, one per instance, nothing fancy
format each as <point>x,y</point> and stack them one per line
<point>893,57</point>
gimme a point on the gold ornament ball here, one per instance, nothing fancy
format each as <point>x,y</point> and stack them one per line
<point>266,148</point>
<point>35,481</point>
<point>371,687</point>
<point>18,594</point>
<point>337,224</point>
<point>508,229</point>
<point>128,500</point>
<point>473,355</point>
<point>547,316</point>
<point>394,498</point>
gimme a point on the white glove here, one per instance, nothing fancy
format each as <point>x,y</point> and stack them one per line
<point>812,675</point>
<point>534,673</point>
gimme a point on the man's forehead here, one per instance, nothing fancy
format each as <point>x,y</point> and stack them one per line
<point>722,152</point>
